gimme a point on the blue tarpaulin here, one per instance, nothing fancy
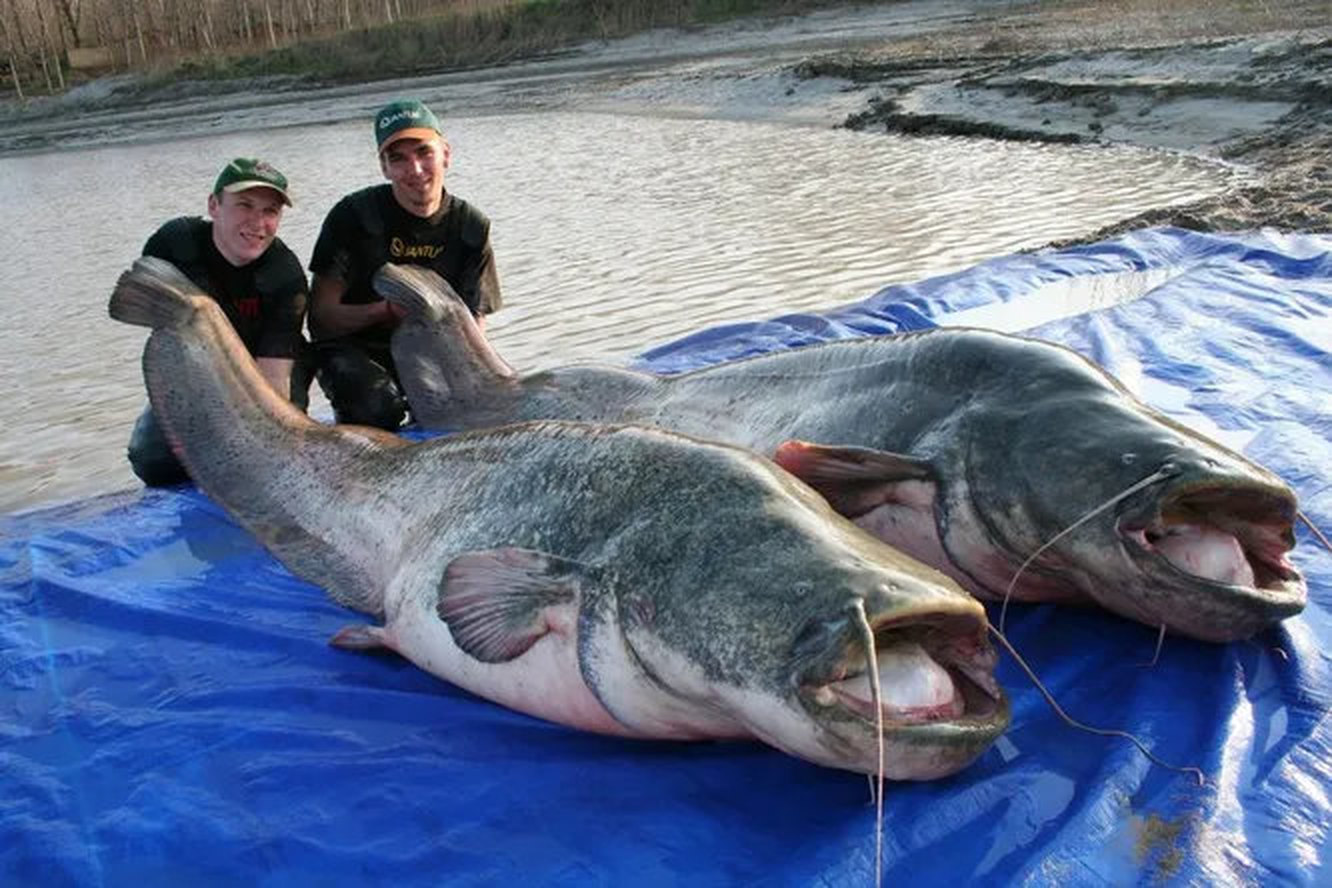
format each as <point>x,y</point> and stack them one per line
<point>173,715</point>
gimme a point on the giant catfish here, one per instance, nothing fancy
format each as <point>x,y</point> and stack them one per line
<point>619,579</point>
<point>969,449</point>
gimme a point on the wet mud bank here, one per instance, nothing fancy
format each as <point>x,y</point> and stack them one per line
<point>1261,99</point>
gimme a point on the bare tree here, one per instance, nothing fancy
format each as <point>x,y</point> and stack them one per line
<point>50,49</point>
<point>39,36</point>
<point>10,49</point>
<point>133,8</point>
<point>70,10</point>
<point>291,26</point>
<point>268,13</point>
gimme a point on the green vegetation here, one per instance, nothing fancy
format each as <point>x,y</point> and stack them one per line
<point>478,37</point>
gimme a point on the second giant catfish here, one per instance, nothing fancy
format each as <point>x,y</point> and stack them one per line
<point>969,449</point>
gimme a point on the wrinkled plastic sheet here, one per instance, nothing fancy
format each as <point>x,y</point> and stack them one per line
<point>173,714</point>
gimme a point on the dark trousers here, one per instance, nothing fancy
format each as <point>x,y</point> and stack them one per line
<point>361,383</point>
<point>150,453</point>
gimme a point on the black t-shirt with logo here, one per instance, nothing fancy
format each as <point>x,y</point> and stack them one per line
<point>368,228</point>
<point>264,299</point>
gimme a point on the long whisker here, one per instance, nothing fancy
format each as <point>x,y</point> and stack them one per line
<point>1104,732</point>
<point>871,652</point>
<point>1257,645</point>
<point>1159,475</point>
<point>1316,532</point>
<point>1156,655</point>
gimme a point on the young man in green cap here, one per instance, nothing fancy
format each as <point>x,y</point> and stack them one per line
<point>413,220</point>
<point>236,257</point>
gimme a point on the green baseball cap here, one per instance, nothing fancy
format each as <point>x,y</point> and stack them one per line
<point>245,173</point>
<point>405,119</point>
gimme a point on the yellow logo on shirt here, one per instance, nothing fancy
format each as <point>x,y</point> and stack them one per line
<point>400,250</point>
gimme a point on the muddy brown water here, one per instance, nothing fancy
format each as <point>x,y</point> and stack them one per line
<point>613,232</point>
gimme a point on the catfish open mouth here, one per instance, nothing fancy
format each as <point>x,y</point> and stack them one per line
<point>934,670</point>
<point>1225,535</point>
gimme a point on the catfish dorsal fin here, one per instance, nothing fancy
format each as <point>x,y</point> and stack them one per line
<point>852,479</point>
<point>497,603</point>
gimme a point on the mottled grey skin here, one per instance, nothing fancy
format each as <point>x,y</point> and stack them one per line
<point>968,449</point>
<point>614,578</point>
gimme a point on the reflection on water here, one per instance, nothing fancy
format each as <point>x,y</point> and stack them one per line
<point>612,232</point>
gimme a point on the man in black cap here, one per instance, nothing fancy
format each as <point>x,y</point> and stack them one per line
<point>236,257</point>
<point>412,220</point>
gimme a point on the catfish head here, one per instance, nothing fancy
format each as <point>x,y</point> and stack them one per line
<point>638,583</point>
<point>1137,513</point>
<point>742,615</point>
<point>1051,483</point>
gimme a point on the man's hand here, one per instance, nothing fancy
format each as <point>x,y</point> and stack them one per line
<point>330,318</point>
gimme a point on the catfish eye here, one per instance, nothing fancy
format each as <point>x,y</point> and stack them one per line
<point>1128,459</point>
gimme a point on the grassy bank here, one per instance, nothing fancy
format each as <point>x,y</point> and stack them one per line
<point>478,37</point>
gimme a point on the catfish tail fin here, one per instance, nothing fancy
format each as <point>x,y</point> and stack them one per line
<point>153,293</point>
<point>445,363</point>
<point>421,293</point>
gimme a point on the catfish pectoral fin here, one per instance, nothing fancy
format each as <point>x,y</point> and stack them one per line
<point>497,603</point>
<point>852,479</point>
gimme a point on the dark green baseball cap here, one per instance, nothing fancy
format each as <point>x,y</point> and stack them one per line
<point>245,173</point>
<point>405,119</point>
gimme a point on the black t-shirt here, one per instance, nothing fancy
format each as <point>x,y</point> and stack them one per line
<point>264,299</point>
<point>368,228</point>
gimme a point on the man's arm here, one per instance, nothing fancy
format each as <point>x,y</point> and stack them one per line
<point>488,287</point>
<point>483,280</point>
<point>333,263</point>
<point>330,318</point>
<point>280,283</point>
<point>488,292</point>
<point>277,372</point>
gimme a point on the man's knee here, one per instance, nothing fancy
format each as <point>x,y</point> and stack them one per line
<point>302,374</point>
<point>361,390</point>
<point>150,455</point>
<point>380,406</point>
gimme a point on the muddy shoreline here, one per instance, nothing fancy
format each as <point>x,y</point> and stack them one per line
<point>1227,81</point>
<point>1244,83</point>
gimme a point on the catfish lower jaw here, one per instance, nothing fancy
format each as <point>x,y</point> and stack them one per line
<point>918,749</point>
<point>1227,547</point>
<point>970,704</point>
<point>929,674</point>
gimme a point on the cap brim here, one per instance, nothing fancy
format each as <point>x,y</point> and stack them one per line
<point>412,132</point>
<point>247,184</point>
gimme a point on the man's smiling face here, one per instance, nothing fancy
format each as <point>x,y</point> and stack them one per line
<point>415,170</point>
<point>244,222</point>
